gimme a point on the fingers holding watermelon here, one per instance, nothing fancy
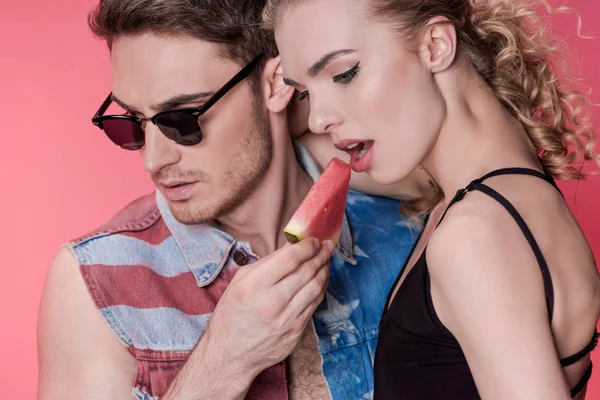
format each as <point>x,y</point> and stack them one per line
<point>289,258</point>
<point>269,303</point>
<point>305,273</point>
<point>305,301</point>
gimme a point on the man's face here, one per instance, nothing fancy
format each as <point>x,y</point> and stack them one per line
<point>208,180</point>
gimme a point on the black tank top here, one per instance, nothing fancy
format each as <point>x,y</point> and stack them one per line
<point>417,357</point>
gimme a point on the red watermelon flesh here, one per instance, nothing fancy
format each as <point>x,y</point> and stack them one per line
<point>321,213</point>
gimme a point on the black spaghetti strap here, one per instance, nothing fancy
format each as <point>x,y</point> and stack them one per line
<point>530,239</point>
<point>520,171</point>
<point>548,288</point>
<point>583,381</point>
<point>477,184</point>
<point>584,352</point>
<point>460,194</point>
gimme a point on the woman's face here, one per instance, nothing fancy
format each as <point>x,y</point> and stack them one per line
<point>378,100</point>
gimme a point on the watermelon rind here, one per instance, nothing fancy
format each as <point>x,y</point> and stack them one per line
<point>291,238</point>
<point>293,231</point>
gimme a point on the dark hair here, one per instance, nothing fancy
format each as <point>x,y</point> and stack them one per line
<point>509,44</point>
<point>234,25</point>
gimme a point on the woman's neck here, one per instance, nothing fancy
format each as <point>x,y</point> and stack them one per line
<point>478,134</point>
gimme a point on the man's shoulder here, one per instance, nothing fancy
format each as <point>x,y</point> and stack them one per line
<point>139,215</point>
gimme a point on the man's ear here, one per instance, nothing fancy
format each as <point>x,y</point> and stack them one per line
<point>277,94</point>
<point>438,44</point>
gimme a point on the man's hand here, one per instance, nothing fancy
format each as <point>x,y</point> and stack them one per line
<point>258,321</point>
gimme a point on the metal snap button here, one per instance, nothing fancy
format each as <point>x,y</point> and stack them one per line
<point>240,257</point>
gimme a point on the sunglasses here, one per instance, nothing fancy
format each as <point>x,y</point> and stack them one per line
<point>180,125</point>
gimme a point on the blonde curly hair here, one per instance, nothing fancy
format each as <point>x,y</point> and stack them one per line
<point>509,44</point>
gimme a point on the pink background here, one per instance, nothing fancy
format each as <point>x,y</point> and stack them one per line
<point>61,177</point>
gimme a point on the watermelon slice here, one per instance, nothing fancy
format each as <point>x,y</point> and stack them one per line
<point>321,213</point>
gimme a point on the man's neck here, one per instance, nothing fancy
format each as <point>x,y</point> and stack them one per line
<point>260,220</point>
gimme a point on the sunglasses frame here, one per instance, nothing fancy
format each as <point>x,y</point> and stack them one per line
<point>196,112</point>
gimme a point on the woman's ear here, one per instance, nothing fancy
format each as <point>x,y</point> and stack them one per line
<point>277,94</point>
<point>438,44</point>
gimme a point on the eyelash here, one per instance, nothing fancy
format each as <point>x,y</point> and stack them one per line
<point>303,95</point>
<point>347,77</point>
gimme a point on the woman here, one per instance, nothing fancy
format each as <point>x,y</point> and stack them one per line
<point>501,296</point>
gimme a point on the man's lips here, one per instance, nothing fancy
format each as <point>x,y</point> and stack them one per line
<point>173,184</point>
<point>177,190</point>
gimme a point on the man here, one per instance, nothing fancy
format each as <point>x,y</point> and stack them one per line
<point>198,295</point>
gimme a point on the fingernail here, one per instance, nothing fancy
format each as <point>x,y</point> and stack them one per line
<point>330,245</point>
<point>317,243</point>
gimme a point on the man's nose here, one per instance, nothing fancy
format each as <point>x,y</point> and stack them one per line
<point>159,151</point>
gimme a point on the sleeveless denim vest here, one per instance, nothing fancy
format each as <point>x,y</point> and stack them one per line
<point>156,283</point>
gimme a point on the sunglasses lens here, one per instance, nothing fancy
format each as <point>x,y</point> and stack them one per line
<point>181,127</point>
<point>124,133</point>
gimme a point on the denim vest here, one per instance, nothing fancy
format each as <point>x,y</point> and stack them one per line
<point>156,282</point>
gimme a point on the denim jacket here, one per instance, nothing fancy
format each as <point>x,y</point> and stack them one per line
<point>156,282</point>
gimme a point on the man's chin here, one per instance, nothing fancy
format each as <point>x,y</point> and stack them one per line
<point>190,213</point>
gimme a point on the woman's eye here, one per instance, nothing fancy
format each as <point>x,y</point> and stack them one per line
<point>348,76</point>
<point>302,95</point>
